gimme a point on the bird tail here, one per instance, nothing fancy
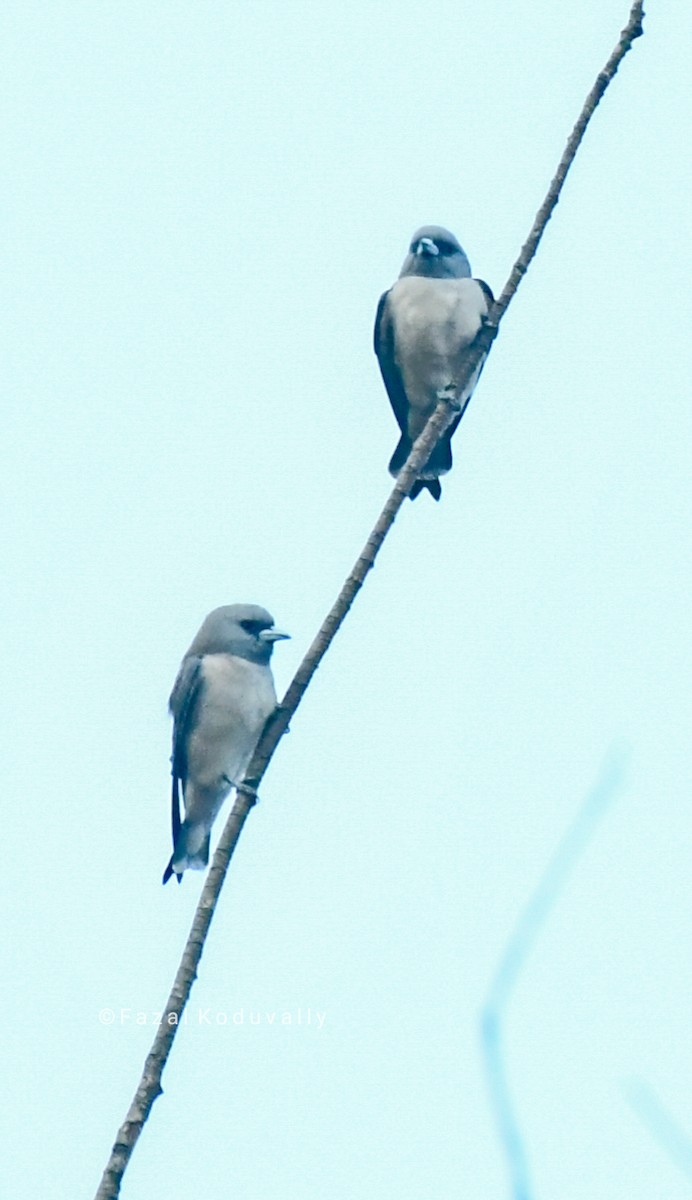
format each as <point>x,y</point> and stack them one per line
<point>439,463</point>
<point>433,486</point>
<point>400,455</point>
<point>169,872</point>
<point>191,851</point>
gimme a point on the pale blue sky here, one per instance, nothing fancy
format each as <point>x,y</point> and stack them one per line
<point>206,201</point>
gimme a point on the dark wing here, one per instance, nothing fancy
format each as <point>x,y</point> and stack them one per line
<point>384,349</point>
<point>487,291</point>
<point>183,702</point>
<point>470,387</point>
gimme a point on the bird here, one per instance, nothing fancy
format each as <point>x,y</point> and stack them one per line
<point>221,699</point>
<point>424,324</point>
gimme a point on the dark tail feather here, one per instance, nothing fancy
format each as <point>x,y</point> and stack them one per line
<point>175,807</point>
<point>176,824</point>
<point>189,851</point>
<point>433,486</point>
<point>440,460</point>
<point>169,872</point>
<point>439,463</point>
<point>400,455</point>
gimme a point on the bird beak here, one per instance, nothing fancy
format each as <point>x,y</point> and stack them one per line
<point>273,635</point>
<point>427,246</point>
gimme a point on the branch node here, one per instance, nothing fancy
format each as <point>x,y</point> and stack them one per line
<point>248,791</point>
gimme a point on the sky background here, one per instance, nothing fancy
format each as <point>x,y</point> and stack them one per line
<point>205,202</point>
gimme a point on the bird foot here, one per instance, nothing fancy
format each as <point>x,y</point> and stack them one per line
<point>449,393</point>
<point>247,790</point>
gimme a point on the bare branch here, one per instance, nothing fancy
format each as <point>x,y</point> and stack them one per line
<point>520,944</point>
<point>149,1087</point>
<point>633,29</point>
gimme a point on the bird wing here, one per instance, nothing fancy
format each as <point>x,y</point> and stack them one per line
<point>471,385</point>
<point>384,349</point>
<point>183,702</point>
<point>486,289</point>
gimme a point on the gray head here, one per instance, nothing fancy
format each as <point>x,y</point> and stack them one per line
<point>245,630</point>
<point>436,253</point>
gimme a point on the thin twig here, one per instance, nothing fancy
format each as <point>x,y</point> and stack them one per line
<point>150,1083</point>
<point>520,944</point>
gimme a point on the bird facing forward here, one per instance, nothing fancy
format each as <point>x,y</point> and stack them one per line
<point>221,699</point>
<point>424,324</point>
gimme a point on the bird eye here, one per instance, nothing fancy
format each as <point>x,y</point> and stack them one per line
<point>253,627</point>
<point>444,247</point>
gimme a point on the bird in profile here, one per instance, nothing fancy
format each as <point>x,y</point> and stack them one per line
<point>221,699</point>
<point>424,324</point>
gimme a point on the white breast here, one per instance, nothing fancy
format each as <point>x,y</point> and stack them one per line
<point>434,321</point>
<point>237,698</point>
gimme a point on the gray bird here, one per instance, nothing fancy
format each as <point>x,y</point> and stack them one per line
<point>220,701</point>
<point>424,324</point>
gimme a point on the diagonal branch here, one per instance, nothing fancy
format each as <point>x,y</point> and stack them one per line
<point>149,1087</point>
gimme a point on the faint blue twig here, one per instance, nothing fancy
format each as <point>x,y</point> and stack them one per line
<point>517,949</point>
<point>663,1128</point>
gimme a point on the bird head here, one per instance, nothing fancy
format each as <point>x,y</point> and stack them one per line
<point>246,630</point>
<point>435,252</point>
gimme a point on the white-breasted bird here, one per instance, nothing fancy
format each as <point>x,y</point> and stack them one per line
<point>424,324</point>
<point>221,699</point>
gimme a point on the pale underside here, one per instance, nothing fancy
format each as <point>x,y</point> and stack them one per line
<point>434,321</point>
<point>236,699</point>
